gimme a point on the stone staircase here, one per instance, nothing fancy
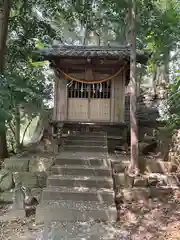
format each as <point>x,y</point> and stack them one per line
<point>79,191</point>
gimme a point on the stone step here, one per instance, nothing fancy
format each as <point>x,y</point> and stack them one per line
<point>91,230</point>
<point>78,194</point>
<point>93,133</point>
<point>87,137</point>
<point>89,134</point>
<point>84,162</point>
<point>93,148</point>
<point>81,155</point>
<point>81,171</point>
<point>74,211</point>
<point>76,181</point>
<point>88,142</point>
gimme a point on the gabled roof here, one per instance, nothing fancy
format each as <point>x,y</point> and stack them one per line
<point>64,51</point>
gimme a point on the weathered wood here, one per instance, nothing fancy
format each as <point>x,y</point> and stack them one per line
<point>122,114</point>
<point>89,75</point>
<point>91,108</point>
<point>61,112</point>
<point>55,99</point>
<point>90,66</point>
<point>112,100</point>
<point>119,95</point>
<point>84,62</point>
<point>78,109</point>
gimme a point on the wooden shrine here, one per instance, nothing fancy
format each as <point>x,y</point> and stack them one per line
<point>89,86</point>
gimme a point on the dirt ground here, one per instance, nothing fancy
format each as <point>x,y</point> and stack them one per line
<point>152,221</point>
<point>139,221</point>
<point>20,229</point>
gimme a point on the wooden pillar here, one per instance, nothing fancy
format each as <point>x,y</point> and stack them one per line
<point>61,99</point>
<point>55,100</point>
<point>119,97</point>
<point>112,100</point>
<point>122,95</point>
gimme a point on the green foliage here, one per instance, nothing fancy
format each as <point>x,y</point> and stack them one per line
<point>174,103</point>
<point>24,87</point>
<point>36,23</point>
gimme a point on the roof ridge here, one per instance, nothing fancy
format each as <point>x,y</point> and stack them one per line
<point>95,47</point>
<point>69,51</point>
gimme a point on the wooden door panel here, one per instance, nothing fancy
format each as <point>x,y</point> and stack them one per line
<point>99,109</point>
<point>78,109</point>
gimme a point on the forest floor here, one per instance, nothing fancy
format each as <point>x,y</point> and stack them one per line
<point>139,221</point>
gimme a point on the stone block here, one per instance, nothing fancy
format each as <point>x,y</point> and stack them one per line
<point>6,180</point>
<point>6,197</point>
<point>160,192</point>
<point>42,179</point>
<point>152,181</point>
<point>17,164</point>
<point>135,194</point>
<point>40,164</point>
<point>142,164</point>
<point>142,145</point>
<point>140,182</point>
<point>118,158</point>
<point>148,139</point>
<point>18,199</point>
<point>15,214</point>
<point>37,193</point>
<point>173,168</point>
<point>155,165</point>
<point>120,167</point>
<point>122,179</point>
<point>27,179</point>
<point>172,181</point>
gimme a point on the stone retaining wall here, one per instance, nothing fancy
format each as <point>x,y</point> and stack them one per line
<point>157,180</point>
<point>29,171</point>
<point>174,149</point>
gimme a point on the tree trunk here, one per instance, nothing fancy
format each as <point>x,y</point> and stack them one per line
<point>3,145</point>
<point>25,130</point>
<point>166,66</point>
<point>85,38</point>
<point>5,6</point>
<point>133,166</point>
<point>17,130</point>
<point>154,83</point>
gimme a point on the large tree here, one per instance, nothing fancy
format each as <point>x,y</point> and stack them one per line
<point>133,167</point>
<point>23,87</point>
<point>5,6</point>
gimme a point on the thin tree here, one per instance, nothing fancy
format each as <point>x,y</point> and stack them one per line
<point>5,6</point>
<point>133,166</point>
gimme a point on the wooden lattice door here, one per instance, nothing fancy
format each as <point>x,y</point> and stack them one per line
<point>89,102</point>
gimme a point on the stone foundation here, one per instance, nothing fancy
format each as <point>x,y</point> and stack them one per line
<point>29,171</point>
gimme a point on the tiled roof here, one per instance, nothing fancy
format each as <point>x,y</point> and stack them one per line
<point>62,51</point>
